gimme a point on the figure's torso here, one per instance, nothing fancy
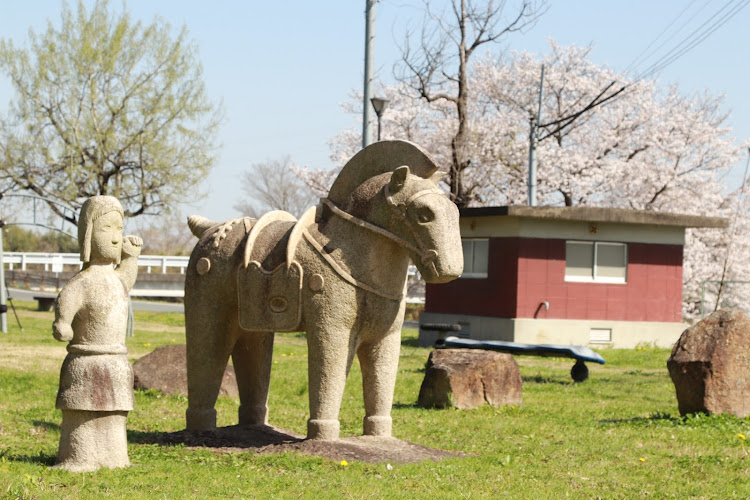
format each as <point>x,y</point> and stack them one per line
<point>103,316</point>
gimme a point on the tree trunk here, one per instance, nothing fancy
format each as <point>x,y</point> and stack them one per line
<point>458,144</point>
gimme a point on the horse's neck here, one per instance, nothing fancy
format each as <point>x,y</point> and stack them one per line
<point>368,256</point>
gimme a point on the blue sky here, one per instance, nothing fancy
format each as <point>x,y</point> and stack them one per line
<point>281,69</point>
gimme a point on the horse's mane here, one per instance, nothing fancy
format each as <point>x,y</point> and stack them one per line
<point>376,159</point>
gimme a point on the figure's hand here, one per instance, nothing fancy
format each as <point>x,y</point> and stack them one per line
<point>62,331</point>
<point>131,245</point>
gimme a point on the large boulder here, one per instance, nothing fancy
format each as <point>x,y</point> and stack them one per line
<point>165,369</point>
<point>466,378</point>
<point>710,365</point>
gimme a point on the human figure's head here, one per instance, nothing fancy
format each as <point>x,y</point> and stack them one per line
<point>95,208</point>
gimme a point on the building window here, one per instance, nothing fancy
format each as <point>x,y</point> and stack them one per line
<point>476,256</point>
<point>596,261</point>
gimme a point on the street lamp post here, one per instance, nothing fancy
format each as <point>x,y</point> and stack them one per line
<point>379,104</point>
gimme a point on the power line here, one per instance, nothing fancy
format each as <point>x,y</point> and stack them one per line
<point>664,31</point>
<point>684,46</point>
<point>687,44</point>
<point>697,36</point>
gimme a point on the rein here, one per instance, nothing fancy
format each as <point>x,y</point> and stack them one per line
<point>426,255</point>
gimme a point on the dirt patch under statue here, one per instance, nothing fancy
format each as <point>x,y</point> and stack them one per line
<point>371,449</point>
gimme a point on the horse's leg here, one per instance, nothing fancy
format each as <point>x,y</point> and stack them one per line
<point>329,357</point>
<point>209,342</point>
<point>252,358</point>
<point>378,359</point>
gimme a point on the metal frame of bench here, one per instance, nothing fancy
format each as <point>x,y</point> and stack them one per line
<point>581,354</point>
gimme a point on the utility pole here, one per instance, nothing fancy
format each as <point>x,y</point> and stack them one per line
<point>369,49</point>
<point>532,145</point>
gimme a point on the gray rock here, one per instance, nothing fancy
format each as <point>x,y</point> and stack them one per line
<point>710,365</point>
<point>467,378</point>
<point>165,369</point>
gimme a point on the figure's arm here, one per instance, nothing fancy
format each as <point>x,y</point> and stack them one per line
<point>128,268</point>
<point>68,303</point>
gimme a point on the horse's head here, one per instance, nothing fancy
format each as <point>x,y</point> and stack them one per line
<point>402,203</point>
<point>422,215</point>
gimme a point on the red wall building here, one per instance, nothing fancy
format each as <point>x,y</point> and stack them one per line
<point>536,286</point>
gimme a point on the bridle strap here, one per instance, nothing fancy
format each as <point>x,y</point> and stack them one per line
<point>427,256</point>
<point>418,194</point>
<point>344,273</point>
<point>372,227</point>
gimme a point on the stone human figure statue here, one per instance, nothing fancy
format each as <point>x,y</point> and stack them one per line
<point>91,312</point>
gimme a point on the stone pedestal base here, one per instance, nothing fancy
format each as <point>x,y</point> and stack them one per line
<point>323,430</point>
<point>253,415</point>
<point>378,426</point>
<point>200,419</point>
<point>90,440</point>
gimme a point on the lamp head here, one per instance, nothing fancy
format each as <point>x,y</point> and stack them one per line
<point>379,104</point>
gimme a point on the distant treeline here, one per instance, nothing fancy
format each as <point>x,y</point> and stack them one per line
<point>18,239</point>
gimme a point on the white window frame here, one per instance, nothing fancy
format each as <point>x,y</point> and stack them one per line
<point>594,278</point>
<point>476,275</point>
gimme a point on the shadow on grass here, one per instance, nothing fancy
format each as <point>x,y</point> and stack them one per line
<point>50,426</point>
<point>539,379</point>
<point>235,436</point>
<point>659,373</point>
<point>410,342</point>
<point>407,406</point>
<point>40,458</point>
<point>656,417</point>
<point>421,369</point>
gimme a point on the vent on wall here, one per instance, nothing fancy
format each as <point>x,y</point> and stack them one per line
<point>600,335</point>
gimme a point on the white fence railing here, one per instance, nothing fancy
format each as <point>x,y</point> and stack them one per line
<point>54,262</point>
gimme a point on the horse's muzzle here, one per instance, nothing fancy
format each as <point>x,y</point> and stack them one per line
<point>437,270</point>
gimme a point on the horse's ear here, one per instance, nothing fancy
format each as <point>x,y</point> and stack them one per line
<point>438,176</point>
<point>398,179</point>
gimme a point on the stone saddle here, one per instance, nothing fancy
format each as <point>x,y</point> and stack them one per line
<point>269,283</point>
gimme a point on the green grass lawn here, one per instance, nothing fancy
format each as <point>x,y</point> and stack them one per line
<point>617,435</point>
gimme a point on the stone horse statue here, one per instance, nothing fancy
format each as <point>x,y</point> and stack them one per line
<point>338,273</point>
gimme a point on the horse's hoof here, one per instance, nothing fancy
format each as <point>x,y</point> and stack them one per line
<point>253,415</point>
<point>200,419</point>
<point>378,426</point>
<point>323,430</point>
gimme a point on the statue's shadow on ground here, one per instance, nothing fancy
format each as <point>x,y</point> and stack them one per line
<point>270,440</point>
<point>50,426</point>
<point>40,458</point>
<point>665,417</point>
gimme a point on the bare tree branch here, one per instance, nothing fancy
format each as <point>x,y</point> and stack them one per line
<point>439,70</point>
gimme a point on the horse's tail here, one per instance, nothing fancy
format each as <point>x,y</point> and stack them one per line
<point>199,225</point>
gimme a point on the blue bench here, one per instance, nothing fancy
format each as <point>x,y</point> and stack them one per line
<point>581,354</point>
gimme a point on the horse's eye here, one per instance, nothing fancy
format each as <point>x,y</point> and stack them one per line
<point>425,215</point>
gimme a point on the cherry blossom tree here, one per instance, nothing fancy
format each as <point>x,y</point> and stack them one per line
<point>436,65</point>
<point>649,148</point>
